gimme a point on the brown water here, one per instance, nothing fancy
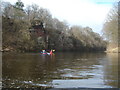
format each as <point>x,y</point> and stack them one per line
<point>62,70</point>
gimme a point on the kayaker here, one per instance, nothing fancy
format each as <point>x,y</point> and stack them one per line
<point>51,52</point>
<point>43,52</point>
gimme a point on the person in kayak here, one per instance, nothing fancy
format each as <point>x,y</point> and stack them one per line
<point>51,52</point>
<point>43,52</point>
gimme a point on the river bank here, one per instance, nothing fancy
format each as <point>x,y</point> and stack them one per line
<point>36,51</point>
<point>113,50</point>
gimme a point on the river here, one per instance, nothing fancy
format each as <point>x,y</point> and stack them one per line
<point>61,70</point>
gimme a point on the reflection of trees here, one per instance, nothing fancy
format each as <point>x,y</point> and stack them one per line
<point>44,69</point>
<point>26,67</point>
<point>111,70</point>
<point>80,59</point>
<point>36,68</point>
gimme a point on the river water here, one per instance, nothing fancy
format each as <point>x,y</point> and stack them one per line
<point>61,70</point>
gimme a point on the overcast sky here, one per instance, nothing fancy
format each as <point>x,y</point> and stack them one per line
<point>90,13</point>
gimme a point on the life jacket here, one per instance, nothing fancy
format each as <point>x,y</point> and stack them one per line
<point>43,53</point>
<point>51,52</point>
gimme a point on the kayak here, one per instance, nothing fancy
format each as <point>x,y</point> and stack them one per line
<point>46,53</point>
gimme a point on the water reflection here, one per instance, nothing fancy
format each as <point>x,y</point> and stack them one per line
<point>61,70</point>
<point>111,70</point>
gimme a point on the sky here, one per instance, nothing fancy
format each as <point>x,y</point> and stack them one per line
<point>90,13</point>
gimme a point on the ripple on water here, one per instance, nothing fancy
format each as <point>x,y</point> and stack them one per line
<point>38,84</point>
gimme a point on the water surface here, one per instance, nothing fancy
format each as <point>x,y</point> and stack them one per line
<point>62,70</point>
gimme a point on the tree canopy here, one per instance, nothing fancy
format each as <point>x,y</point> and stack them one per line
<point>110,27</point>
<point>16,35</point>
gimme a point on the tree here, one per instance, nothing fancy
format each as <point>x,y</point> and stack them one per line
<point>17,23</point>
<point>19,5</point>
<point>110,27</point>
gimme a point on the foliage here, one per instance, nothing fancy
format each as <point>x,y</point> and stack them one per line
<point>19,5</point>
<point>16,24</point>
<point>110,28</point>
